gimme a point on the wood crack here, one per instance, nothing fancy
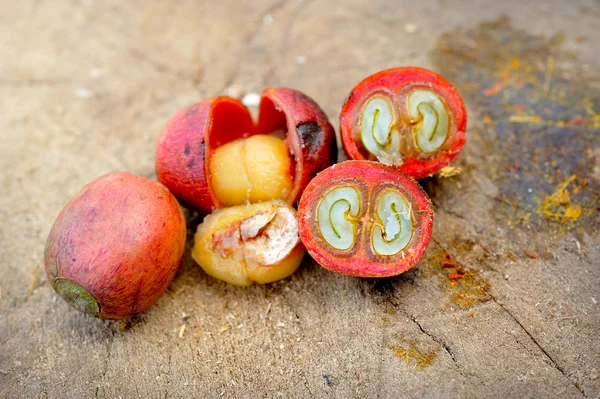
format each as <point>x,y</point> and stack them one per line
<point>435,339</point>
<point>535,341</point>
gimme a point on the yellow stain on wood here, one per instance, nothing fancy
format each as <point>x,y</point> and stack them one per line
<point>466,287</point>
<point>526,119</point>
<point>412,355</point>
<point>558,206</point>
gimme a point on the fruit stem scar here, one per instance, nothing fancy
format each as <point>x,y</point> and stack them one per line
<point>77,296</point>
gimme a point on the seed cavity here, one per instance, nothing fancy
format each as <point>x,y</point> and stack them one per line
<point>336,217</point>
<point>396,228</point>
<point>431,120</point>
<point>378,134</point>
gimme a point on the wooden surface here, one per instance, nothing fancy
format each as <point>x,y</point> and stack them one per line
<point>86,86</point>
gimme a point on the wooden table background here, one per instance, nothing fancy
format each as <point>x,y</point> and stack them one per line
<point>86,86</point>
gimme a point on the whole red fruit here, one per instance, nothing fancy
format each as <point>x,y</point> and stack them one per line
<point>115,247</point>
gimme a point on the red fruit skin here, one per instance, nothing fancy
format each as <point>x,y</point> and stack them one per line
<point>186,143</point>
<point>392,82</point>
<point>360,260</point>
<point>121,238</point>
<point>310,137</point>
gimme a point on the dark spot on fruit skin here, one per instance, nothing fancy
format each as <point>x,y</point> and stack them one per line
<point>187,149</point>
<point>310,135</point>
<point>190,112</point>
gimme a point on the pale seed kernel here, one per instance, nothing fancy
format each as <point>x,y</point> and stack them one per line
<point>249,243</point>
<point>252,169</point>
<point>394,229</point>
<point>431,119</point>
<point>378,134</point>
<point>336,216</point>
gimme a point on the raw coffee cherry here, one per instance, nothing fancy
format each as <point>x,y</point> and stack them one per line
<point>365,219</point>
<point>410,117</point>
<point>208,155</point>
<point>116,246</point>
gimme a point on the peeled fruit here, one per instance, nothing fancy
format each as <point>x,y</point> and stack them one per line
<point>115,247</point>
<point>249,243</point>
<point>194,135</point>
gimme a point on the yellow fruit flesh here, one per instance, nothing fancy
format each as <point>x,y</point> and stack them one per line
<point>249,243</point>
<point>252,169</point>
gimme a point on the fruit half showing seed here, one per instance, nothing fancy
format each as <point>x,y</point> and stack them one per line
<point>365,219</point>
<point>249,243</point>
<point>211,154</point>
<point>408,117</point>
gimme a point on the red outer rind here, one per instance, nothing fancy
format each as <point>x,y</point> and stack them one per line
<point>394,80</point>
<point>373,174</point>
<point>185,144</point>
<point>121,238</point>
<point>310,136</point>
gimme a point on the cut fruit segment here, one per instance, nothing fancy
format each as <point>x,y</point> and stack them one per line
<point>365,219</point>
<point>187,144</point>
<point>410,117</point>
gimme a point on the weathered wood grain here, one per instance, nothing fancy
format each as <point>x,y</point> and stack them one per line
<point>86,86</point>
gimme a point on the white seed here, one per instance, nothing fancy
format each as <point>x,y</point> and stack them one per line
<point>333,216</point>
<point>394,212</point>
<point>428,108</point>
<point>377,131</point>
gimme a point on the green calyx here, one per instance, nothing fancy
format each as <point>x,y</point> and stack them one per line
<point>77,296</point>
